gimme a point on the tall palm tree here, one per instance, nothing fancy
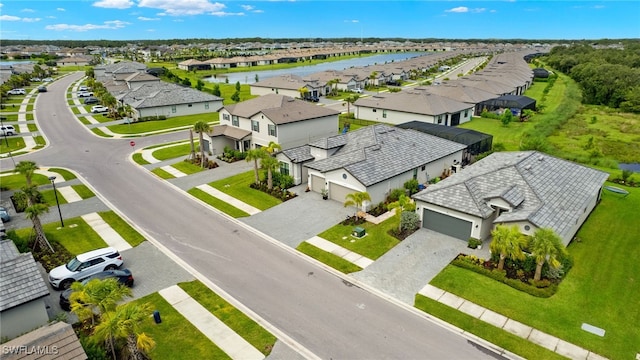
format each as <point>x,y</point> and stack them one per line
<point>356,199</point>
<point>201,127</point>
<point>192,154</point>
<point>273,147</point>
<point>255,155</point>
<point>26,168</point>
<point>404,203</point>
<point>508,242</point>
<point>33,213</point>
<point>96,297</point>
<point>350,100</point>
<point>546,246</point>
<point>270,164</point>
<point>124,323</point>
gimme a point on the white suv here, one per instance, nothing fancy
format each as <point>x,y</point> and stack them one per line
<point>85,265</point>
<point>17,92</point>
<point>7,130</point>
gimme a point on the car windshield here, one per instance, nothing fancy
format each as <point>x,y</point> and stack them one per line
<point>74,264</point>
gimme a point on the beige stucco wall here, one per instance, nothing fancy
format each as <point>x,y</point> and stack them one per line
<point>399,117</point>
<point>183,109</point>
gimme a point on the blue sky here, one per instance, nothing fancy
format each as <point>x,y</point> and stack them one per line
<point>178,19</point>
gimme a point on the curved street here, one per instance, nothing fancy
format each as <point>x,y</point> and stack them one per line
<point>314,310</point>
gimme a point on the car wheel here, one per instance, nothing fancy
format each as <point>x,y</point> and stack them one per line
<point>110,267</point>
<point>65,284</point>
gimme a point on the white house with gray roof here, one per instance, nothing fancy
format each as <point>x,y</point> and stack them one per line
<point>375,159</point>
<point>282,119</point>
<point>288,85</point>
<point>528,189</point>
<point>410,105</point>
<point>22,292</point>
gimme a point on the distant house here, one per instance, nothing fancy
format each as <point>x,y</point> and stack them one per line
<point>282,119</point>
<point>56,340</point>
<point>192,64</point>
<point>375,159</point>
<point>409,105</point>
<point>528,189</point>
<point>22,292</point>
<point>74,61</point>
<point>287,85</point>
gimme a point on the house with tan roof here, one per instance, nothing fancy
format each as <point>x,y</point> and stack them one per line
<point>284,120</point>
<point>288,85</point>
<point>409,105</point>
<point>528,189</point>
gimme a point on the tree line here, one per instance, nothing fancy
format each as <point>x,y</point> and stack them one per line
<point>609,76</point>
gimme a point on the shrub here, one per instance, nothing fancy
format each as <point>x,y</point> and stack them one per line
<point>474,243</point>
<point>394,195</point>
<point>409,221</point>
<point>412,186</point>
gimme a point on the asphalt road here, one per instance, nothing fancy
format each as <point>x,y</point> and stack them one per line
<point>305,304</point>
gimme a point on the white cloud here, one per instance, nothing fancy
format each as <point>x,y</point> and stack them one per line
<point>115,24</point>
<point>114,4</point>
<point>459,9</point>
<point>27,10</point>
<point>61,9</point>
<point>17,18</point>
<point>247,7</point>
<point>184,7</point>
<point>142,18</point>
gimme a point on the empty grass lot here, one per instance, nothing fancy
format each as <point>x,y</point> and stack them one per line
<point>237,186</point>
<point>601,289</point>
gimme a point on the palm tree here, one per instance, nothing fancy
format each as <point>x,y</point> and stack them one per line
<point>33,213</point>
<point>201,127</point>
<point>272,147</point>
<point>350,100</point>
<point>357,199</point>
<point>255,155</point>
<point>192,154</point>
<point>124,323</point>
<point>303,92</point>
<point>546,246</point>
<point>26,168</point>
<point>96,297</point>
<point>270,164</point>
<point>508,242</point>
<point>404,203</point>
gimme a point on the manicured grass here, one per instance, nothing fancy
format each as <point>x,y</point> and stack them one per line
<point>17,181</point>
<point>133,237</point>
<point>66,174</point>
<point>187,167</point>
<point>375,244</point>
<point>330,259</point>
<point>137,157</point>
<point>244,326</point>
<point>237,186</point>
<point>601,289</point>
<point>13,147</point>
<point>217,203</point>
<point>179,121</point>
<point>101,133</point>
<point>76,235</point>
<point>176,338</point>
<point>162,174</point>
<point>484,330</point>
<point>175,151</point>
<point>83,191</point>
<point>50,197</point>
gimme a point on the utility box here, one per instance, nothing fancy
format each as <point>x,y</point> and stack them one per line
<point>358,232</point>
<point>156,317</point>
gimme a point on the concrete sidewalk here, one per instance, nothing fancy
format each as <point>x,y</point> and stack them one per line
<point>218,332</point>
<point>106,232</point>
<point>338,250</point>
<point>228,199</point>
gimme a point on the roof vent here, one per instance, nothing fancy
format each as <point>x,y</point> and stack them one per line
<point>528,167</point>
<point>541,158</point>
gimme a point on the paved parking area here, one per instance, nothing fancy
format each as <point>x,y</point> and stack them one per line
<point>299,219</point>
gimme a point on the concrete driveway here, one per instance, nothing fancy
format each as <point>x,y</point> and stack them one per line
<point>299,219</point>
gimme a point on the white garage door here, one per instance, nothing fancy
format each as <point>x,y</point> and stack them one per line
<point>339,192</point>
<point>317,183</point>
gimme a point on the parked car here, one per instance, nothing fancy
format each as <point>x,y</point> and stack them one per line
<point>91,100</point>
<point>99,109</point>
<point>394,83</point>
<point>17,92</point>
<point>47,79</point>
<point>7,130</point>
<point>85,265</point>
<point>42,88</point>
<point>36,79</point>
<point>4,214</point>
<point>85,94</point>
<point>357,90</point>
<point>313,99</point>
<point>123,276</point>
<point>83,88</point>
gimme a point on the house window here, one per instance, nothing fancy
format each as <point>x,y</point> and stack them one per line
<point>284,168</point>
<point>466,113</point>
<point>206,106</point>
<point>375,110</point>
<point>415,174</point>
<point>423,167</point>
<point>439,119</point>
<point>226,117</point>
<point>190,105</point>
<point>272,130</point>
<point>235,121</point>
<point>384,114</point>
<point>255,125</point>
<point>173,109</point>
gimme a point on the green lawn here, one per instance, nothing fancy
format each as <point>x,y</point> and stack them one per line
<point>601,289</point>
<point>162,174</point>
<point>179,121</point>
<point>17,181</point>
<point>375,244</point>
<point>50,197</point>
<point>83,191</point>
<point>176,338</point>
<point>66,174</point>
<point>330,259</point>
<point>137,157</point>
<point>217,203</point>
<point>76,235</point>
<point>133,237</point>
<point>175,151</point>
<point>187,167</point>
<point>237,186</point>
<point>509,136</point>
<point>244,326</point>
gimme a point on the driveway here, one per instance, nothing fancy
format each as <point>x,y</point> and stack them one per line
<point>298,219</point>
<point>410,265</point>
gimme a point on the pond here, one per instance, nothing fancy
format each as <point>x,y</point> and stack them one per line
<point>635,167</point>
<point>249,77</point>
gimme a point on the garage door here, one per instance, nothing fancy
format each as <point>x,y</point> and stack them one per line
<point>339,192</point>
<point>317,183</point>
<point>446,224</point>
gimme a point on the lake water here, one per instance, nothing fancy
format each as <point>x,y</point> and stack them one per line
<point>635,167</point>
<point>249,77</point>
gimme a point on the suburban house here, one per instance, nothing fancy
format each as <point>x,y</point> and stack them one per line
<point>409,105</point>
<point>22,292</point>
<point>102,72</point>
<point>167,99</point>
<point>528,189</point>
<point>284,120</point>
<point>74,61</point>
<point>458,91</point>
<point>56,340</point>
<point>288,85</point>
<point>375,159</point>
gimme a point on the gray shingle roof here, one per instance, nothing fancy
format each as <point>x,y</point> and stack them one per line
<point>298,154</point>
<point>280,109</point>
<point>20,279</point>
<point>547,191</point>
<point>379,152</point>
<point>164,94</point>
<point>413,101</point>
